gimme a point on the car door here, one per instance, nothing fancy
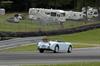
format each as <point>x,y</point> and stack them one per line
<point>62,46</point>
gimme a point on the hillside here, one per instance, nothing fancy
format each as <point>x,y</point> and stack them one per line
<point>91,37</point>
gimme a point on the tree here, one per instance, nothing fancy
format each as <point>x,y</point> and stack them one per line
<point>23,5</point>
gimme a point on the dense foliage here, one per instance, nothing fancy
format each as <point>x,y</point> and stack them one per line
<point>24,5</point>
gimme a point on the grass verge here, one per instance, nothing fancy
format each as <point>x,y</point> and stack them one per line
<point>68,64</point>
<point>87,37</point>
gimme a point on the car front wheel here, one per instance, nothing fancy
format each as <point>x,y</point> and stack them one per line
<point>41,50</point>
<point>56,49</point>
<point>69,49</point>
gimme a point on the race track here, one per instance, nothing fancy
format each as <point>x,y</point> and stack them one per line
<point>18,42</point>
<point>77,55</point>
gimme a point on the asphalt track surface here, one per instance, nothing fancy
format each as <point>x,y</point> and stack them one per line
<point>18,42</point>
<point>77,55</point>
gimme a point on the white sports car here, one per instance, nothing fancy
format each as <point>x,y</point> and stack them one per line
<point>55,46</point>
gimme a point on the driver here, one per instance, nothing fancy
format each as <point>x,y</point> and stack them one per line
<point>45,39</point>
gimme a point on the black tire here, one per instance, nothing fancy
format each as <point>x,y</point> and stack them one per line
<point>41,50</point>
<point>56,49</point>
<point>69,49</point>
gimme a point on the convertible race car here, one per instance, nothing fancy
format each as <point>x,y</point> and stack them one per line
<point>55,46</point>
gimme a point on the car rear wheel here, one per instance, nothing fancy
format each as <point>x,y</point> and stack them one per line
<point>56,49</point>
<point>69,49</point>
<point>41,50</point>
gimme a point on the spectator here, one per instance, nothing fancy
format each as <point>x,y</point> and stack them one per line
<point>19,17</point>
<point>16,19</point>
